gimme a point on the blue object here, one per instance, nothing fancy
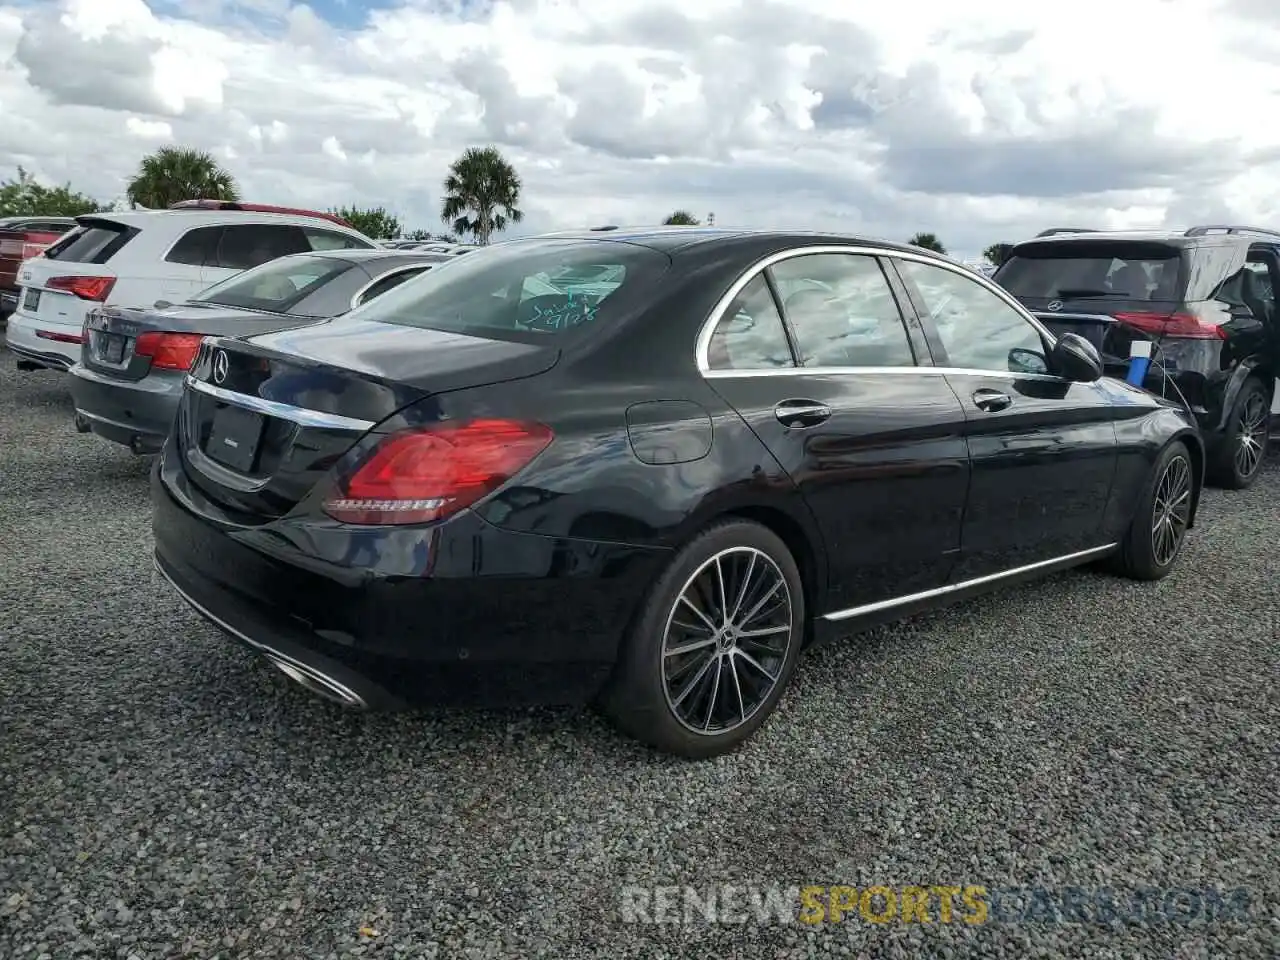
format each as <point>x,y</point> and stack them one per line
<point>1138,370</point>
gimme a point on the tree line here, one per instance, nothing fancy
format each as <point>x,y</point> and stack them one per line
<point>481,194</point>
<point>481,198</point>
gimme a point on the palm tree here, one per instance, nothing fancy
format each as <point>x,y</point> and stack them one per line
<point>928,241</point>
<point>681,218</point>
<point>481,193</point>
<point>997,253</point>
<point>179,173</point>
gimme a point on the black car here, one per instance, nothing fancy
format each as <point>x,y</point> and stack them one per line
<point>1204,297</point>
<point>128,383</point>
<point>652,490</point>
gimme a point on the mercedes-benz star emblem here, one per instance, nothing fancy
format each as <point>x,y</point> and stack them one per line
<point>1055,304</point>
<point>221,366</point>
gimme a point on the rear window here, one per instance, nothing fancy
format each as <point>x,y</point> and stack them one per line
<point>523,290</point>
<point>1080,270</point>
<point>95,242</point>
<point>277,286</point>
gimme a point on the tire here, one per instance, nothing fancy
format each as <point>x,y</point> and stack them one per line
<point>1146,552</point>
<point>1238,460</point>
<point>667,701</point>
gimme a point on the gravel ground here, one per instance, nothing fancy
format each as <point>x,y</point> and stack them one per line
<point>164,794</point>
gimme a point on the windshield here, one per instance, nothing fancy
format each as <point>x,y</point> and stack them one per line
<point>524,290</point>
<point>277,286</point>
<point>1092,270</point>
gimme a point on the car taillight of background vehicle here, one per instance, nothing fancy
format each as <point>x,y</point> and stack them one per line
<point>421,476</point>
<point>86,288</point>
<point>1181,325</point>
<point>32,250</point>
<point>169,351</point>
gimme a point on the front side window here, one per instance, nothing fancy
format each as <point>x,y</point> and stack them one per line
<point>524,289</point>
<point>750,335</point>
<point>243,246</point>
<point>842,311</point>
<point>979,330</point>
<point>277,286</point>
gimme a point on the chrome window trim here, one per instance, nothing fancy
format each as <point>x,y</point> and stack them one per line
<point>702,346</point>
<point>929,371</point>
<point>419,266</point>
<point>851,612</point>
<point>283,411</point>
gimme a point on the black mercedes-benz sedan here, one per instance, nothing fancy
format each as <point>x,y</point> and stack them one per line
<point>647,469</point>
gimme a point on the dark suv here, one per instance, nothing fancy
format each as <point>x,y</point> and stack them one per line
<point>1204,297</point>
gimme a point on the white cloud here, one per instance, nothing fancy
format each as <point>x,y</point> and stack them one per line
<point>149,129</point>
<point>979,121</point>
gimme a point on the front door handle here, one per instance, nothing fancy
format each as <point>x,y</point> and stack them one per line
<point>991,400</point>
<point>801,413</point>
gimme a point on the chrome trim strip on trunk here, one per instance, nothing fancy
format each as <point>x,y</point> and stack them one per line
<point>282,411</point>
<point>851,612</point>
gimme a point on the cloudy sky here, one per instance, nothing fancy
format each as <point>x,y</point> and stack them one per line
<point>981,121</point>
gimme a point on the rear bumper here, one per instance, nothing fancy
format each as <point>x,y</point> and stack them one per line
<point>137,413</point>
<point>22,337</point>
<point>463,614</point>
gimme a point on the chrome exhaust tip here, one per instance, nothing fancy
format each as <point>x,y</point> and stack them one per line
<point>319,684</point>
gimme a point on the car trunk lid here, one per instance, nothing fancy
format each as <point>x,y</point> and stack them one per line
<point>264,420</point>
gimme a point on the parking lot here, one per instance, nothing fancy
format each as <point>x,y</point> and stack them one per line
<point>165,794</point>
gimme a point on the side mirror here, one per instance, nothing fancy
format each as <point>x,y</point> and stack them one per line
<point>1076,359</point>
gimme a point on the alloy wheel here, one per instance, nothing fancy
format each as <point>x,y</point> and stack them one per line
<point>1251,437</point>
<point>1171,510</point>
<point>726,641</point>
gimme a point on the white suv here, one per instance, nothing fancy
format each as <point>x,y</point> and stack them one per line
<point>137,258</point>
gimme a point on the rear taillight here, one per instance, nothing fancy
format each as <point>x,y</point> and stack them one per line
<point>1183,325</point>
<point>420,476</point>
<point>86,288</point>
<point>30,250</point>
<point>169,351</point>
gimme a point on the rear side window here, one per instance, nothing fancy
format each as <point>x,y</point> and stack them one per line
<point>389,282</point>
<point>330,240</point>
<point>277,286</point>
<point>196,247</point>
<point>526,290</point>
<point>750,335</point>
<point>94,242</point>
<point>1072,270</point>
<point>842,311</point>
<point>242,246</point>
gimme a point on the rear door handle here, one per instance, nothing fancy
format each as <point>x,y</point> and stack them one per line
<point>991,400</point>
<point>801,413</point>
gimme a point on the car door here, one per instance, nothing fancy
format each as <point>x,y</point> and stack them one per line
<point>1264,265</point>
<point>817,356</point>
<point>1042,449</point>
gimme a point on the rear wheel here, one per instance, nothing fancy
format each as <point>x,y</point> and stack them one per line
<point>1239,457</point>
<point>714,646</point>
<point>1154,541</point>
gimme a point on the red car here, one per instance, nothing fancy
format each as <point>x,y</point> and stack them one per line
<point>22,238</point>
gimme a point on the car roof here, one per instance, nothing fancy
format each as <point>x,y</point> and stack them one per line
<point>378,253</point>
<point>670,239</point>
<point>212,218</point>
<point>1176,238</point>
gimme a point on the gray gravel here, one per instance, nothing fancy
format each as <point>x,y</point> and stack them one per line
<point>164,794</point>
